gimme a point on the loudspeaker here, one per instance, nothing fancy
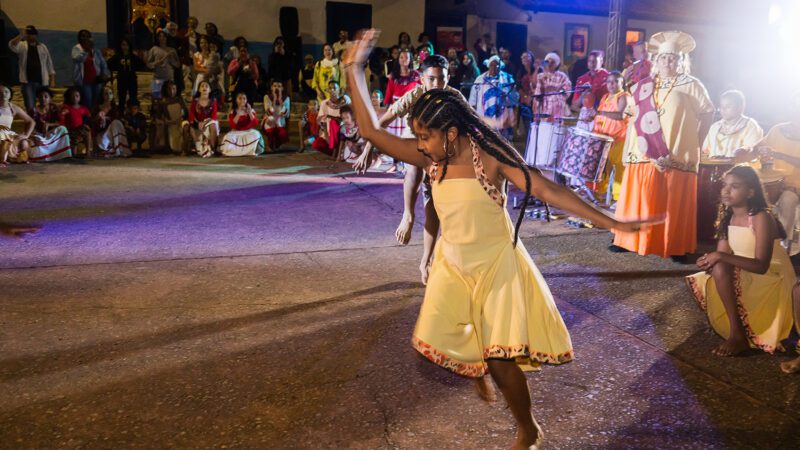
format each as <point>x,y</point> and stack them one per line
<point>289,22</point>
<point>6,69</point>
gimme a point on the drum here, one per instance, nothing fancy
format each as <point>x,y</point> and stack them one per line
<point>545,154</point>
<point>709,185</point>
<point>584,155</point>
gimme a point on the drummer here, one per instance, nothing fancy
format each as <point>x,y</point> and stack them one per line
<point>735,133</point>
<point>594,81</point>
<point>589,90</point>
<point>612,121</point>
<point>781,147</point>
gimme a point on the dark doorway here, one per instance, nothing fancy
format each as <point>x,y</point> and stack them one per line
<point>346,16</point>
<point>118,17</point>
<point>513,36</point>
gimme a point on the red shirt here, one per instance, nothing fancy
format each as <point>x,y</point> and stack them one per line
<point>244,122</point>
<point>89,72</point>
<point>398,87</point>
<point>72,117</point>
<point>598,83</point>
<point>198,113</point>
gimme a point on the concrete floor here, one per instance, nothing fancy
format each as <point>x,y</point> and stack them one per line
<point>263,303</point>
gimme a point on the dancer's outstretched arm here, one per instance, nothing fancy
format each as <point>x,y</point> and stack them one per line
<point>565,199</point>
<point>354,59</point>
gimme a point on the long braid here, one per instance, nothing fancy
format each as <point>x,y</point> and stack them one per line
<point>442,109</point>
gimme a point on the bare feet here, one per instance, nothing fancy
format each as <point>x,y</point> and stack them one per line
<point>485,389</point>
<point>392,169</point>
<point>732,346</point>
<point>792,366</point>
<point>530,440</point>
<point>403,232</point>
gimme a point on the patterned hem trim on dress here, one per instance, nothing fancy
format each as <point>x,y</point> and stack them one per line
<point>754,339</point>
<point>744,316</point>
<point>696,293</point>
<point>523,350</point>
<point>453,365</point>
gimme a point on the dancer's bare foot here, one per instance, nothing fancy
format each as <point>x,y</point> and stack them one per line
<point>392,169</point>
<point>732,346</point>
<point>485,389</point>
<point>792,366</point>
<point>403,232</point>
<point>529,439</point>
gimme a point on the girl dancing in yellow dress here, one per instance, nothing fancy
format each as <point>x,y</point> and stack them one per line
<point>487,308</point>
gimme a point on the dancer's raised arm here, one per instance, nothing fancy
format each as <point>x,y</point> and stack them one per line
<point>354,59</point>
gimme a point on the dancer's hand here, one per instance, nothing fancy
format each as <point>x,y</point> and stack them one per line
<point>359,52</point>
<point>425,270</point>
<point>364,160</point>
<point>17,231</point>
<point>635,226</point>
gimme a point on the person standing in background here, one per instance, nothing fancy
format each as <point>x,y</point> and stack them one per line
<point>342,44</point>
<point>90,69</point>
<point>126,64</point>
<point>35,64</point>
<point>279,65</point>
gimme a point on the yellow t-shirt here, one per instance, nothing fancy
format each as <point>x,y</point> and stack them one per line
<point>779,143</point>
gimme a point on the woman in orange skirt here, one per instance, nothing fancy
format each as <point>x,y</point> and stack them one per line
<point>665,186</point>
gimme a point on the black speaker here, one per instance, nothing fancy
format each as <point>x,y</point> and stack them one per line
<point>6,64</point>
<point>289,21</point>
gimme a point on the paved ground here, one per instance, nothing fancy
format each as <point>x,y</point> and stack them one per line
<point>179,302</point>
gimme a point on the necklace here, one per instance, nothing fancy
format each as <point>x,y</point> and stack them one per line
<point>728,129</point>
<point>658,102</point>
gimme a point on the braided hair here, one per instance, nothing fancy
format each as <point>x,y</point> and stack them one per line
<point>441,109</point>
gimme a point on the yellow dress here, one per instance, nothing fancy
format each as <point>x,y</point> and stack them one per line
<point>485,298</point>
<point>764,301</point>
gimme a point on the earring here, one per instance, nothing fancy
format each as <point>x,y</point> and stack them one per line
<point>449,154</point>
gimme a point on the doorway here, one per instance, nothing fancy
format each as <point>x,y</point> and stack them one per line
<point>125,17</point>
<point>346,16</point>
<point>514,37</point>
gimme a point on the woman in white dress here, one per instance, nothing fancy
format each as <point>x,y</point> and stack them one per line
<point>203,123</point>
<point>13,146</point>
<point>109,131</point>
<point>244,139</point>
<point>50,140</point>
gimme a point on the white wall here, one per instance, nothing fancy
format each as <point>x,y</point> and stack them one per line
<point>255,19</point>
<point>545,30</point>
<point>73,15</point>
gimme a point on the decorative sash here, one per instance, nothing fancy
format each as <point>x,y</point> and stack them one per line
<point>651,140</point>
